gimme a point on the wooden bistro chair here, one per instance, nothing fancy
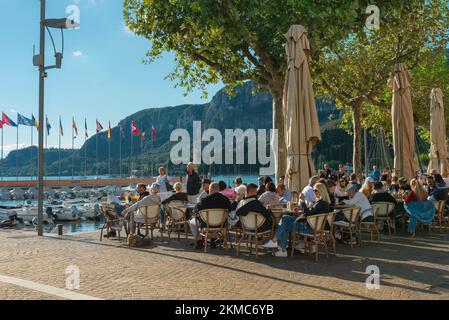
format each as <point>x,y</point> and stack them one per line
<point>370,227</point>
<point>112,221</point>
<point>384,212</point>
<point>152,219</point>
<point>215,220</point>
<point>330,237</point>
<point>176,220</point>
<point>350,225</point>
<point>439,216</point>
<point>250,224</point>
<point>316,237</point>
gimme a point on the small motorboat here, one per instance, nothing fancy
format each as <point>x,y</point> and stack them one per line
<point>17,194</point>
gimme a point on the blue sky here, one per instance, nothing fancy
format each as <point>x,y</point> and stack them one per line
<point>102,75</point>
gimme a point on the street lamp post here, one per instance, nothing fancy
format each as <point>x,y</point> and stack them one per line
<point>40,174</point>
<point>40,62</point>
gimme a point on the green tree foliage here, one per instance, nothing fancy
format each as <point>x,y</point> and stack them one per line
<point>356,71</point>
<point>237,40</point>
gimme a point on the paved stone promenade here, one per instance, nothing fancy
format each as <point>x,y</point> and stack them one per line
<point>410,269</point>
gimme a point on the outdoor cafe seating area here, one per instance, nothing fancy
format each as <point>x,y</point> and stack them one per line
<point>246,238</point>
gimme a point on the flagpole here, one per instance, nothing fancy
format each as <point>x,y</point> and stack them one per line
<point>17,153</point>
<point>131,158</point>
<point>151,153</point>
<point>46,145</point>
<point>2,154</point>
<point>85,147</point>
<point>73,147</point>
<point>96,155</point>
<point>31,155</point>
<point>120,151</point>
<point>141,153</point>
<point>59,150</point>
<point>109,155</point>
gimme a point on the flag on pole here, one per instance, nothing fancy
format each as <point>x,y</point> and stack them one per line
<point>109,131</point>
<point>74,128</point>
<point>61,129</point>
<point>6,120</point>
<point>47,124</point>
<point>153,132</point>
<point>24,121</point>
<point>35,123</point>
<point>1,124</point>
<point>135,131</point>
<point>99,126</point>
<point>86,135</point>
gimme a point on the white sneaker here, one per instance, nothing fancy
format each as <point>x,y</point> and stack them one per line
<point>270,244</point>
<point>300,246</point>
<point>280,253</point>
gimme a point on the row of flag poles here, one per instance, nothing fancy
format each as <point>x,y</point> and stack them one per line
<point>32,123</point>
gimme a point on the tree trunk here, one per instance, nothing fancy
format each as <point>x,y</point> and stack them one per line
<point>357,143</point>
<point>278,123</point>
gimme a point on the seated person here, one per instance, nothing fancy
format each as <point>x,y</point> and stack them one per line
<point>238,182</point>
<point>270,196</point>
<point>205,187</point>
<point>355,181</point>
<point>152,199</point>
<point>308,192</point>
<point>359,200</point>
<point>331,189</point>
<point>286,225</point>
<point>380,195</point>
<point>440,191</point>
<point>368,186</point>
<point>251,204</point>
<point>417,192</point>
<point>284,194</point>
<point>141,190</point>
<point>340,190</point>
<point>240,192</point>
<point>403,186</point>
<point>179,195</point>
<point>430,184</point>
<point>115,201</point>
<point>215,200</point>
<point>394,186</point>
<point>262,184</point>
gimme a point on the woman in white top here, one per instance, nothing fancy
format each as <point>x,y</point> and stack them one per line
<point>163,179</point>
<point>341,189</point>
<point>270,196</point>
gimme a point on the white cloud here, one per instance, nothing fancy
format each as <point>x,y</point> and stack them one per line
<point>77,53</point>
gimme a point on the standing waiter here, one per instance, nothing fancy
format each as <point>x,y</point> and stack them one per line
<point>193,183</point>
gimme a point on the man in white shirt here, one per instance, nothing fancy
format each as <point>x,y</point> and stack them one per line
<point>309,194</point>
<point>152,199</point>
<point>359,200</point>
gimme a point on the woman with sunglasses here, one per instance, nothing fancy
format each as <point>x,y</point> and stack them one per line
<point>287,223</point>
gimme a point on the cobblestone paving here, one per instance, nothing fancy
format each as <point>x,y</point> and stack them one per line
<point>410,269</point>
